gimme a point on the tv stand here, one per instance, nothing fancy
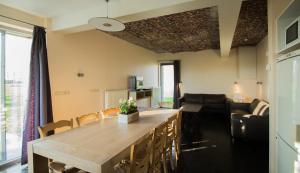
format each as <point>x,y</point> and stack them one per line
<point>142,97</point>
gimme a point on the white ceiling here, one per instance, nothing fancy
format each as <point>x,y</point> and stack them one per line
<point>73,15</point>
<point>51,8</point>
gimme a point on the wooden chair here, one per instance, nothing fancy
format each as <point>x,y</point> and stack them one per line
<point>109,113</point>
<point>158,156</point>
<point>84,119</point>
<point>171,138</point>
<point>178,134</point>
<point>43,131</point>
<point>139,157</point>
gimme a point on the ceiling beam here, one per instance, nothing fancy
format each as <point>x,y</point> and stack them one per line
<point>228,17</point>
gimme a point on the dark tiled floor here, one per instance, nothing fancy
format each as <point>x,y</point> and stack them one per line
<point>216,153</point>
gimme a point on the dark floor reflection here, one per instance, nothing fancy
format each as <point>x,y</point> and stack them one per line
<point>213,151</point>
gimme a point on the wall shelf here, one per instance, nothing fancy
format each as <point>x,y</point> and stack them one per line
<point>143,97</point>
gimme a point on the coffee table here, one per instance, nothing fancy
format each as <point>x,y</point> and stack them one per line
<point>190,120</point>
<point>192,108</point>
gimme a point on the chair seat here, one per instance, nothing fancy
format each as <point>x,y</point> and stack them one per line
<point>57,166</point>
<point>122,167</point>
<point>61,167</point>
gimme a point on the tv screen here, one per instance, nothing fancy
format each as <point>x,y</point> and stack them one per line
<point>139,82</point>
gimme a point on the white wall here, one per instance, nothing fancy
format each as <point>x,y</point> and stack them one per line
<point>106,63</point>
<point>262,72</point>
<point>206,72</point>
<point>247,62</point>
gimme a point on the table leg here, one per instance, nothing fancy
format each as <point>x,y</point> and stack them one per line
<point>36,163</point>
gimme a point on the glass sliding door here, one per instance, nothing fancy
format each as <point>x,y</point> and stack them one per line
<point>167,84</point>
<point>14,85</point>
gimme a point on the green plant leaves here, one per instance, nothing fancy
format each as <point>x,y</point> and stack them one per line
<point>128,106</point>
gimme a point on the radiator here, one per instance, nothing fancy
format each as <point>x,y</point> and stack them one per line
<point>112,97</point>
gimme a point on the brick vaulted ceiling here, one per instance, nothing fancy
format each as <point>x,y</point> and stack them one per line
<point>196,30</point>
<point>252,25</point>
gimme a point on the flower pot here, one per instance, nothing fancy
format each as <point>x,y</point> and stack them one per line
<point>123,118</point>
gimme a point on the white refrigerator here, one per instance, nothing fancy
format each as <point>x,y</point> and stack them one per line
<point>288,112</point>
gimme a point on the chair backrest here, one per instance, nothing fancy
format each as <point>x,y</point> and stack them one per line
<point>171,128</point>
<point>83,119</point>
<point>43,131</point>
<point>158,147</point>
<point>140,155</point>
<point>109,113</point>
<point>178,132</point>
<point>178,123</point>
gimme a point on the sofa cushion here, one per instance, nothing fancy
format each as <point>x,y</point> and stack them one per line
<point>194,98</point>
<point>214,106</point>
<point>264,110</point>
<point>260,107</point>
<point>266,113</point>
<point>253,105</point>
<point>214,99</point>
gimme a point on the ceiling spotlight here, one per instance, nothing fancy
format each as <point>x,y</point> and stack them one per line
<point>106,24</point>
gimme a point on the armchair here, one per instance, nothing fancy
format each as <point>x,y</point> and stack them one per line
<point>246,125</point>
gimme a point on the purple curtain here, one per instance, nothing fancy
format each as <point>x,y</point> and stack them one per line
<point>39,108</point>
<point>176,83</point>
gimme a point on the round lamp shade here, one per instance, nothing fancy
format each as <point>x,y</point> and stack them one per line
<point>106,24</point>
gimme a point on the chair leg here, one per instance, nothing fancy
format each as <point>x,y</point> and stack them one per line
<point>176,153</point>
<point>170,158</point>
<point>164,159</point>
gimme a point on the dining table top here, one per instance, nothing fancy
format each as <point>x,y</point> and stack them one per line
<point>92,147</point>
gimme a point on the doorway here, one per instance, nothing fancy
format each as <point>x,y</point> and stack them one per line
<point>167,84</point>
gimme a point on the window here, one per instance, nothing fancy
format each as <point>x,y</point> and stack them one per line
<point>14,75</point>
<point>167,84</point>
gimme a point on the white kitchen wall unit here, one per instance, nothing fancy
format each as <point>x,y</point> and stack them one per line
<point>290,14</point>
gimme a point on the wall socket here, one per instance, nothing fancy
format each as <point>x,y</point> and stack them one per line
<point>80,74</point>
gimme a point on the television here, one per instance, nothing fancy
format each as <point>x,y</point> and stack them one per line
<point>135,83</point>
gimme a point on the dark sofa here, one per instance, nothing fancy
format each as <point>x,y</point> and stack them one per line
<point>247,126</point>
<point>212,103</point>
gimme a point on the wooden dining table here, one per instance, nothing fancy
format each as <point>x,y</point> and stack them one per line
<point>96,147</point>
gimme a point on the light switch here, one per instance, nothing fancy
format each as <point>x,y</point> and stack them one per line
<point>268,67</point>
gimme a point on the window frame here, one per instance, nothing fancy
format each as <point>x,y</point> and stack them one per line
<point>2,95</point>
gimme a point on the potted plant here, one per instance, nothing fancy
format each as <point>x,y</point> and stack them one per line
<point>128,111</point>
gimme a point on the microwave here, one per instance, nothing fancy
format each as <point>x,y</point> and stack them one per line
<point>292,33</point>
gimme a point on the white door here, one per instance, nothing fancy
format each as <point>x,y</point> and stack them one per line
<point>286,128</point>
<point>287,158</point>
